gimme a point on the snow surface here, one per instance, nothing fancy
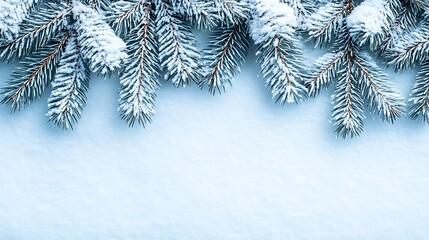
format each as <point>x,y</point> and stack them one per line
<point>235,166</point>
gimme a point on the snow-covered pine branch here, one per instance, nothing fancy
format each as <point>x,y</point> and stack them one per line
<point>323,25</point>
<point>371,21</point>
<point>348,111</point>
<point>101,48</point>
<point>177,47</point>
<point>420,95</point>
<point>359,79</point>
<point>198,12</point>
<point>302,10</point>
<point>38,29</point>
<point>30,80</point>
<point>69,87</point>
<point>227,45</point>
<point>12,13</point>
<point>139,82</point>
<point>411,49</point>
<point>272,28</point>
<point>125,15</point>
<point>382,97</point>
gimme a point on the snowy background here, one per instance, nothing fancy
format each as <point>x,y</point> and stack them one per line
<point>235,166</point>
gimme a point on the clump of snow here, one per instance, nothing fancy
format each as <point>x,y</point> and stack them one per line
<point>271,18</point>
<point>100,46</point>
<point>370,18</point>
<point>12,13</point>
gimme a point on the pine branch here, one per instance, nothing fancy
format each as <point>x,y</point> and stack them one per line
<point>371,21</point>
<point>197,12</point>
<point>383,98</point>
<point>30,81</point>
<point>347,114</point>
<point>326,69</point>
<point>36,31</point>
<point>278,51</point>
<point>224,56</point>
<point>326,22</point>
<point>302,9</point>
<point>12,13</point>
<point>420,95</point>
<point>101,48</point>
<point>69,87</point>
<point>99,5</point>
<point>125,15</point>
<point>177,47</point>
<point>230,12</point>
<point>139,82</point>
<point>411,49</point>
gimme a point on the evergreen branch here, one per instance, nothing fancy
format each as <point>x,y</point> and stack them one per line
<point>12,13</point>
<point>125,15</point>
<point>36,31</point>
<point>230,12</point>
<point>371,21</point>
<point>326,70</point>
<point>383,98</point>
<point>278,52</point>
<point>327,21</point>
<point>347,114</point>
<point>101,48</point>
<point>197,12</point>
<point>411,49</point>
<point>69,87</point>
<point>139,82</point>
<point>302,8</point>
<point>30,81</point>
<point>420,95</point>
<point>177,48</point>
<point>225,54</point>
<point>281,64</point>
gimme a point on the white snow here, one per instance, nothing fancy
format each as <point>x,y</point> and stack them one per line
<point>271,18</point>
<point>100,46</point>
<point>370,18</point>
<point>12,13</point>
<point>235,166</point>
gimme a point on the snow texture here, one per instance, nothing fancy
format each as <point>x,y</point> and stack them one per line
<point>235,166</point>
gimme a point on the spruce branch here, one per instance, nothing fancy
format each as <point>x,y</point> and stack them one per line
<point>12,13</point>
<point>177,47</point>
<point>347,114</point>
<point>420,95</point>
<point>101,48</point>
<point>371,22</point>
<point>326,22</point>
<point>272,28</point>
<point>125,15</point>
<point>327,68</point>
<point>36,31</point>
<point>71,82</point>
<point>139,82</point>
<point>382,97</point>
<point>224,56</point>
<point>230,12</point>
<point>302,9</point>
<point>30,80</point>
<point>359,80</point>
<point>198,12</point>
<point>411,49</point>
